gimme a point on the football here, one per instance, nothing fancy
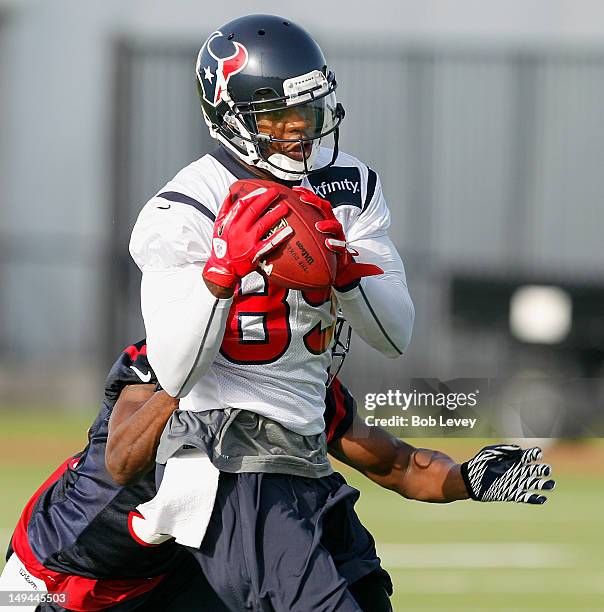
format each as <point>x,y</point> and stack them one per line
<point>303,261</point>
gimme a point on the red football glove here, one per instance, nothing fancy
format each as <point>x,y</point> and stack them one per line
<point>349,271</point>
<point>237,242</point>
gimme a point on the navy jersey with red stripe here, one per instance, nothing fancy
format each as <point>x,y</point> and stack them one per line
<point>82,523</point>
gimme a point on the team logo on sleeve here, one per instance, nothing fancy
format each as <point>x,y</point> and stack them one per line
<point>218,60</point>
<point>340,185</point>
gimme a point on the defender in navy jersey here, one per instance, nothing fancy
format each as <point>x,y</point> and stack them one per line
<point>76,533</point>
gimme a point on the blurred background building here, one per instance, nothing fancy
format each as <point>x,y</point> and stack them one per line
<point>484,120</point>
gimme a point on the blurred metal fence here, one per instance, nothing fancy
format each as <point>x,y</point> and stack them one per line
<point>490,160</point>
<point>158,130</point>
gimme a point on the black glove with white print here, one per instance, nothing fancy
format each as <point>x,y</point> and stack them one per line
<point>505,472</point>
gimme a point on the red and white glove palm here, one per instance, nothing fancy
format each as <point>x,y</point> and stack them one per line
<point>238,241</point>
<point>349,271</point>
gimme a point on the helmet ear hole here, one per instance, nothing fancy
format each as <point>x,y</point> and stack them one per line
<point>264,100</point>
<point>264,93</point>
<point>261,32</point>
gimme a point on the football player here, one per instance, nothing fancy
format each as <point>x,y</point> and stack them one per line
<point>250,359</point>
<point>221,335</point>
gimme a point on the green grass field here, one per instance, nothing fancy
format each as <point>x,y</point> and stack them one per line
<point>454,557</point>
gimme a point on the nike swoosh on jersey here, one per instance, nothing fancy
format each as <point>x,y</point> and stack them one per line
<point>164,207</point>
<point>144,377</point>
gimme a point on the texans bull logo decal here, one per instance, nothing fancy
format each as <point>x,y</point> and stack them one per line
<point>218,70</point>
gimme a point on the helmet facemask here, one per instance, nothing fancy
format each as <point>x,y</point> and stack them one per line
<point>310,103</point>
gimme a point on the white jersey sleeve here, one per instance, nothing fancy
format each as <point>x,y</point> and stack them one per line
<point>374,219</point>
<point>170,234</point>
<point>184,322</point>
<point>379,308</point>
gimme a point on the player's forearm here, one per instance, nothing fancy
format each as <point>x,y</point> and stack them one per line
<point>380,310</point>
<point>431,476</point>
<point>132,444</point>
<point>185,324</point>
<point>419,474</point>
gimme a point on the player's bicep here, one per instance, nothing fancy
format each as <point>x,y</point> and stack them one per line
<point>131,399</point>
<point>371,450</point>
<point>357,447</point>
<point>185,324</point>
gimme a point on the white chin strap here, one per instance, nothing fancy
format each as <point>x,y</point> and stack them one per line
<point>289,169</point>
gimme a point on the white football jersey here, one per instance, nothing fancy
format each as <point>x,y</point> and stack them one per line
<point>276,348</point>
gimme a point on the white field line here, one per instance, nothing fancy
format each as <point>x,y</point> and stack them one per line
<point>496,513</point>
<point>456,555</point>
<point>440,518</point>
<point>432,517</point>
<point>519,581</point>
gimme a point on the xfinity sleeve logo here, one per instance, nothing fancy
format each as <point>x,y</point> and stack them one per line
<point>346,185</point>
<point>339,185</point>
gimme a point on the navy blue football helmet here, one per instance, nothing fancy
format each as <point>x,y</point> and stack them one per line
<point>263,66</point>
